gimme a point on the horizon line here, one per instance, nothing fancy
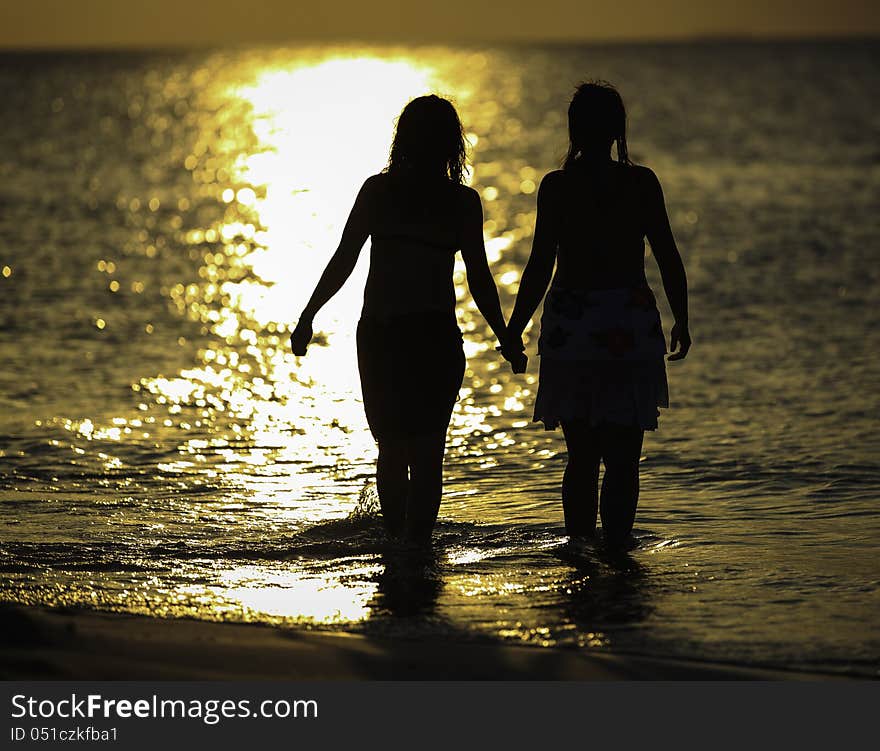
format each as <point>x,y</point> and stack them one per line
<point>393,41</point>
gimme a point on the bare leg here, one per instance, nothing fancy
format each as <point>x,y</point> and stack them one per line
<point>426,486</point>
<point>580,491</point>
<point>392,482</point>
<point>621,449</point>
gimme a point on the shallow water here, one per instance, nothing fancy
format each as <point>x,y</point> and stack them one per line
<point>164,218</point>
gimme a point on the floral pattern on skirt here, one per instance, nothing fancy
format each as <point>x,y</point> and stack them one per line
<point>602,358</point>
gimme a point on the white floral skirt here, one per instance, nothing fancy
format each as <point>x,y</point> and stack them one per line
<point>623,393</point>
<point>602,358</point>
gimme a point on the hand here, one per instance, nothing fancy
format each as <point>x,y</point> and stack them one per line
<point>519,361</point>
<point>512,349</point>
<point>301,336</point>
<point>680,339</point>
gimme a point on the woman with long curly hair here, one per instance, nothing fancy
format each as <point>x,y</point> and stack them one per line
<point>418,214</point>
<point>602,374</point>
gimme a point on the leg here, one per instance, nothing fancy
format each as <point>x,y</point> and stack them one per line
<point>425,455</point>
<point>428,395</point>
<point>621,449</point>
<point>375,366</point>
<point>580,493</point>
<point>392,482</point>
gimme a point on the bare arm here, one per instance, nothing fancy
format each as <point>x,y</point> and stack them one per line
<point>669,261</point>
<point>539,269</point>
<point>339,268</point>
<point>479,276</point>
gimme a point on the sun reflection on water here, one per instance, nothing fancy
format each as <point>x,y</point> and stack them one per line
<point>323,129</point>
<point>282,425</point>
<point>258,441</point>
<point>320,129</point>
<point>164,453</point>
<point>290,595</point>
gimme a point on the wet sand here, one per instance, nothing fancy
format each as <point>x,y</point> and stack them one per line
<point>42,644</point>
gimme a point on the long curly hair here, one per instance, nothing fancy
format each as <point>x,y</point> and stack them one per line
<point>429,136</point>
<point>596,116</point>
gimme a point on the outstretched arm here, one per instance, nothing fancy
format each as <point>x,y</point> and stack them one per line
<point>339,268</point>
<point>539,269</point>
<point>479,276</point>
<point>672,271</point>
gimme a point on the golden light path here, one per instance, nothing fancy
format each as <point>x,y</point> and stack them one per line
<point>322,129</point>
<point>283,441</point>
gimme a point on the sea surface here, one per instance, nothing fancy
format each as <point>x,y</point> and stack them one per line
<point>164,216</point>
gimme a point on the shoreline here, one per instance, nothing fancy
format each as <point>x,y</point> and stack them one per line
<point>39,643</point>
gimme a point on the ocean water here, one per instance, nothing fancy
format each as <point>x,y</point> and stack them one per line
<point>163,218</point>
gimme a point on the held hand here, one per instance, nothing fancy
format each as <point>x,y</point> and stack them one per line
<point>518,362</point>
<point>680,339</point>
<point>301,336</point>
<point>512,349</point>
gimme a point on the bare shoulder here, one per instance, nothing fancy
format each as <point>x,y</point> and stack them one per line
<point>373,192</point>
<point>468,199</point>
<point>466,194</point>
<point>644,177</point>
<point>375,183</point>
<point>552,182</point>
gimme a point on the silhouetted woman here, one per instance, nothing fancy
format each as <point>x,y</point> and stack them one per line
<point>602,373</point>
<point>418,214</point>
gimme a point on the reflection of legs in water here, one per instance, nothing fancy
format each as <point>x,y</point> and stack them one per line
<point>619,447</point>
<point>580,494</point>
<point>425,455</point>
<point>392,482</point>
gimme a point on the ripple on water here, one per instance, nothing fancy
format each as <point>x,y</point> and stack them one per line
<point>163,453</point>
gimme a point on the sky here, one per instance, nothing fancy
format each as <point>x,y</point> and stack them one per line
<point>182,23</point>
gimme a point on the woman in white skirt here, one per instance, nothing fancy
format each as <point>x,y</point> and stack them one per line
<point>602,374</point>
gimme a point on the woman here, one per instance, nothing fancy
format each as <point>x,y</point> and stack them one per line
<point>602,375</point>
<point>417,214</point>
